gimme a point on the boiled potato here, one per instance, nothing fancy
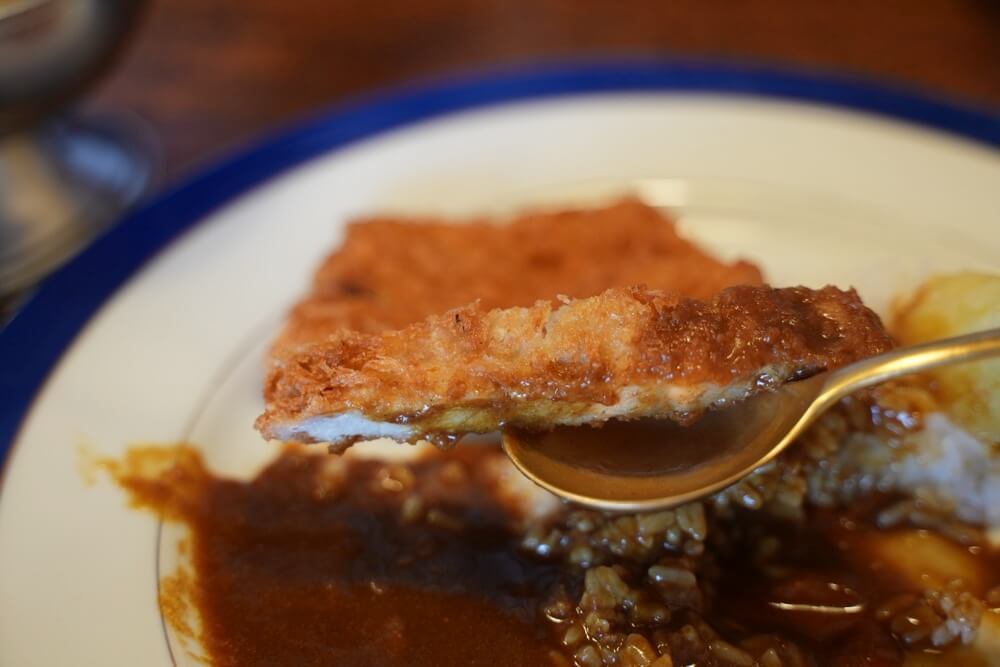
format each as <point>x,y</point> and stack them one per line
<point>919,559</point>
<point>951,305</point>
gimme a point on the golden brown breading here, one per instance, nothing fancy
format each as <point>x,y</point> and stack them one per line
<point>628,352</point>
<point>390,272</point>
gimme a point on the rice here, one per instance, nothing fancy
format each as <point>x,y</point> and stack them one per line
<point>938,617</point>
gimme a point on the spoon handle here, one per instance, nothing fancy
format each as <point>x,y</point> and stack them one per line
<point>907,360</point>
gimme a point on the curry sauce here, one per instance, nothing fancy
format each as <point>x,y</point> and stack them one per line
<point>322,560</point>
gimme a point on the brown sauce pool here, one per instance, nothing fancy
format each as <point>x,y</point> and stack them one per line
<point>313,562</point>
<point>326,561</point>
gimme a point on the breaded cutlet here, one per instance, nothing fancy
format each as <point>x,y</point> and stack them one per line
<point>626,353</point>
<point>392,272</point>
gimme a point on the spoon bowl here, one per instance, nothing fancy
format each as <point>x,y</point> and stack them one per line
<point>653,464</point>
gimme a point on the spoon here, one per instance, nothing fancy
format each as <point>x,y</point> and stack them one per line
<point>650,464</point>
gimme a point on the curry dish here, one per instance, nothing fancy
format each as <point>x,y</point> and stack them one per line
<point>868,542</point>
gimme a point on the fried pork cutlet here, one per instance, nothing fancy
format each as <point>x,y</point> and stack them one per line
<point>393,272</point>
<point>629,352</point>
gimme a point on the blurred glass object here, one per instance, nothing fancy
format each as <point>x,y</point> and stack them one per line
<point>63,177</point>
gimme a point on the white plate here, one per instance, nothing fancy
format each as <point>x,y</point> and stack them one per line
<point>751,161</point>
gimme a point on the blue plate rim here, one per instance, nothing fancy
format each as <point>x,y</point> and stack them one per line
<point>34,341</point>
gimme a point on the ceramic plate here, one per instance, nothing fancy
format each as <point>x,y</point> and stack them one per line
<point>155,333</point>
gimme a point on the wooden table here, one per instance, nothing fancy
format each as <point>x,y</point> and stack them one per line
<point>209,75</point>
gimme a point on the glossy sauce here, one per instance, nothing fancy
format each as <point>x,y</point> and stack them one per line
<point>323,561</point>
<point>308,565</point>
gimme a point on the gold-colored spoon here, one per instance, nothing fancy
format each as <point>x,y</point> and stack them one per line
<point>656,464</point>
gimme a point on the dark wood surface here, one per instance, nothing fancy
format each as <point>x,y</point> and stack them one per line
<point>208,75</point>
